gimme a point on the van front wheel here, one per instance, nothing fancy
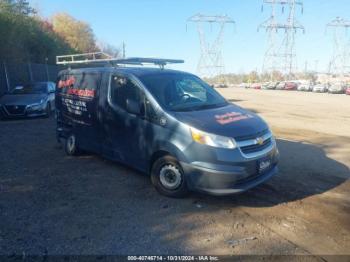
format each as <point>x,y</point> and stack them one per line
<point>71,146</point>
<point>168,177</point>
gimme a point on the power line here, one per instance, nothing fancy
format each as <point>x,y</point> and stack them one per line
<point>339,62</point>
<point>211,62</point>
<point>280,54</point>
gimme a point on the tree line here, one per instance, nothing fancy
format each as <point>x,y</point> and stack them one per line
<point>27,37</point>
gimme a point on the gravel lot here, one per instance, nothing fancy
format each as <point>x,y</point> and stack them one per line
<point>54,204</point>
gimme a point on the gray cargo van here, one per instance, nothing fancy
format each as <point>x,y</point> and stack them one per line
<point>165,123</point>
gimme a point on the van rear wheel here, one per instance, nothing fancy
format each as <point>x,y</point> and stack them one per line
<point>168,177</point>
<point>71,146</point>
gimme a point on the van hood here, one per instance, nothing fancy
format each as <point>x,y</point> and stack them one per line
<point>230,121</point>
<point>22,99</point>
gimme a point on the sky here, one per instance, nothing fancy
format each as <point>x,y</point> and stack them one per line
<point>157,28</point>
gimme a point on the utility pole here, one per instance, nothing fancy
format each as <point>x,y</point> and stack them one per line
<point>30,72</point>
<point>47,69</point>
<point>211,61</point>
<point>305,69</point>
<point>340,59</point>
<point>7,77</point>
<point>316,66</point>
<point>124,50</point>
<point>280,54</point>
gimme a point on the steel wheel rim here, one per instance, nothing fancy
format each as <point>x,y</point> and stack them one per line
<point>71,143</point>
<point>170,177</point>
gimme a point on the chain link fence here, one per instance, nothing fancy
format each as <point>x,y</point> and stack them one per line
<point>12,75</point>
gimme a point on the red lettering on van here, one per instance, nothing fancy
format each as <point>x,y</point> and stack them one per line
<point>81,92</point>
<point>66,83</point>
<point>231,117</point>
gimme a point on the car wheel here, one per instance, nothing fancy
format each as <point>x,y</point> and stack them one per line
<point>168,177</point>
<point>48,111</point>
<point>71,146</point>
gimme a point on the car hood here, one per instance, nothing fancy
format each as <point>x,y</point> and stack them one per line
<point>22,99</point>
<point>230,121</point>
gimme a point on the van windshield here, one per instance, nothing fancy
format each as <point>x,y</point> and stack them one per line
<point>182,92</point>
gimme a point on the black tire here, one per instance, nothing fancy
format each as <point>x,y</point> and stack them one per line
<point>162,172</point>
<point>71,146</point>
<point>48,111</point>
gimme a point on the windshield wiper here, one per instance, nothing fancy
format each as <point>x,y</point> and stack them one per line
<point>208,106</point>
<point>197,107</point>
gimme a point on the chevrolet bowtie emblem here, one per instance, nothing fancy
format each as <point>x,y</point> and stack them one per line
<point>259,141</point>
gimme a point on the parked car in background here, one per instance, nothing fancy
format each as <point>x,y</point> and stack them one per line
<point>280,86</point>
<point>272,85</point>
<point>269,85</point>
<point>264,85</point>
<point>256,86</point>
<point>305,86</point>
<point>347,91</point>
<point>291,86</point>
<point>31,100</point>
<point>221,85</point>
<point>320,88</point>
<point>337,88</point>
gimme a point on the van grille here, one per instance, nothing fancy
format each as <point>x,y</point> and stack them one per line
<point>254,136</point>
<point>256,148</point>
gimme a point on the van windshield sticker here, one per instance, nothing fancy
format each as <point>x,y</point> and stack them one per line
<point>231,117</point>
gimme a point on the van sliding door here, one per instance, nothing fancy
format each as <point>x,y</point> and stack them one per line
<point>122,129</point>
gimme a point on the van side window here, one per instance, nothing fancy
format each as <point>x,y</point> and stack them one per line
<point>85,81</point>
<point>90,81</point>
<point>122,89</point>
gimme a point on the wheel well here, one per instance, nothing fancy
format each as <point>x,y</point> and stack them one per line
<point>156,156</point>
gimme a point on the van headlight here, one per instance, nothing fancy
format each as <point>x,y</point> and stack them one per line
<point>212,140</point>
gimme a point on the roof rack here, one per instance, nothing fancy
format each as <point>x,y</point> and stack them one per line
<point>103,58</point>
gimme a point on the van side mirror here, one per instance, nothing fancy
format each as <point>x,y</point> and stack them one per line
<point>133,107</point>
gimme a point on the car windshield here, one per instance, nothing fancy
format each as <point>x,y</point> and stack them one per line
<point>37,88</point>
<point>182,92</point>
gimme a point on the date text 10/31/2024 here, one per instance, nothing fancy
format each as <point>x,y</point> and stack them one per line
<point>173,258</point>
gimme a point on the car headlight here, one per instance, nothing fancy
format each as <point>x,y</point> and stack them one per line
<point>37,106</point>
<point>212,140</point>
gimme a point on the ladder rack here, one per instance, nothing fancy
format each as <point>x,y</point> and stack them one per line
<point>103,58</point>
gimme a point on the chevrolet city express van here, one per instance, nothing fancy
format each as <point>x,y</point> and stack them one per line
<point>166,123</point>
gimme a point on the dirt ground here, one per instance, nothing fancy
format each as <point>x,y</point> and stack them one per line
<point>54,204</point>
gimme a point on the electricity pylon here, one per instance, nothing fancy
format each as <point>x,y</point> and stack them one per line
<point>339,63</point>
<point>280,54</point>
<point>211,62</point>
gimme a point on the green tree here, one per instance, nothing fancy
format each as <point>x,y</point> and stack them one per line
<point>29,39</point>
<point>77,34</point>
<point>16,6</point>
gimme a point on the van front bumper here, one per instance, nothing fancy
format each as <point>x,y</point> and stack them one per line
<point>228,179</point>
